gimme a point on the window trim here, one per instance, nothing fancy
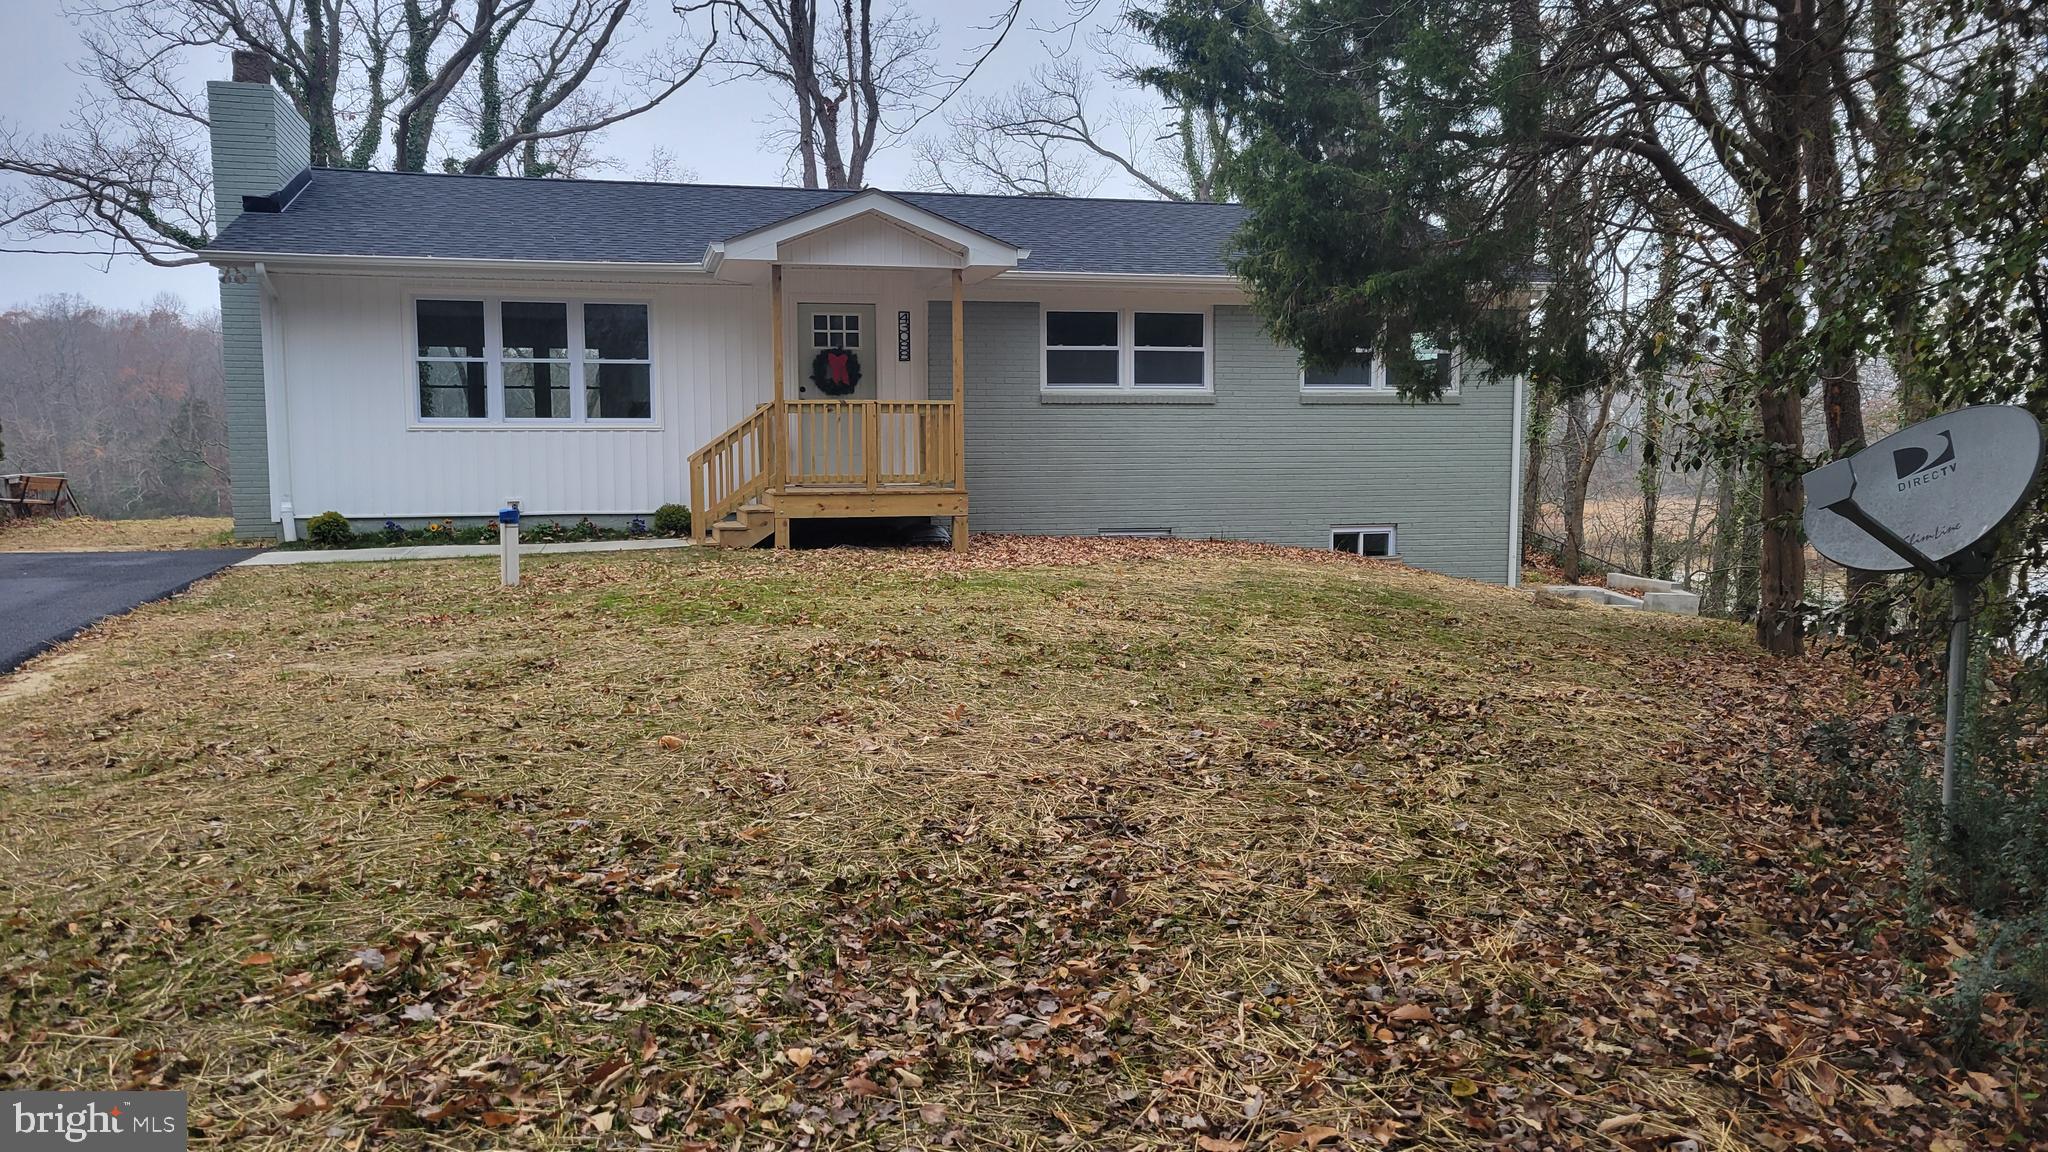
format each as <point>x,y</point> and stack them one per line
<point>494,361</point>
<point>1390,531</point>
<point>1379,385</point>
<point>1126,351</point>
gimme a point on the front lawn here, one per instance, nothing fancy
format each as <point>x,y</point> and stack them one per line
<point>88,534</point>
<point>1117,844</point>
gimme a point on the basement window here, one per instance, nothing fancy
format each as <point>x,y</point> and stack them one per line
<point>562,363</point>
<point>1364,540</point>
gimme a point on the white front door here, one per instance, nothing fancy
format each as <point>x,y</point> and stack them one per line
<point>835,361</point>
<point>825,329</point>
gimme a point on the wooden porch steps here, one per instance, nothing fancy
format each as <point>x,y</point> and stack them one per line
<point>749,524</point>
<point>766,516</point>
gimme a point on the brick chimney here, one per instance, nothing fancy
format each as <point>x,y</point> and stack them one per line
<point>252,66</point>
<point>259,140</point>
<point>259,143</point>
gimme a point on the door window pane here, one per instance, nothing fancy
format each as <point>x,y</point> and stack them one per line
<point>835,330</point>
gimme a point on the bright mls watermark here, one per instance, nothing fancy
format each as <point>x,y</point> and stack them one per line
<point>118,1121</point>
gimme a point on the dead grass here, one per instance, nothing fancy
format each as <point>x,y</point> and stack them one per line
<point>1119,845</point>
<point>86,534</point>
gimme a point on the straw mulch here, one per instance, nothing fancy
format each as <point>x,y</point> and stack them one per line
<point>1090,844</point>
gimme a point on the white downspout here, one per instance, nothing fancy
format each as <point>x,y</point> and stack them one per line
<point>1515,485</point>
<point>275,391</point>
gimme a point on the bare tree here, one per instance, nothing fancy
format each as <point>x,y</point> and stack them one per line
<point>130,172</point>
<point>1051,136</point>
<point>856,79</point>
<point>130,404</point>
<point>550,79</point>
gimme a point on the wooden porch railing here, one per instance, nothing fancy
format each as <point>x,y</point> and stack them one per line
<point>872,444</point>
<point>735,467</point>
<point>868,445</point>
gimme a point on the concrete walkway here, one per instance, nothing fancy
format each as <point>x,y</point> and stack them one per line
<point>450,552</point>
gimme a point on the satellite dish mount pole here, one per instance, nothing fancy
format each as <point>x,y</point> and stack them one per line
<point>1962,595</point>
<point>1963,577</point>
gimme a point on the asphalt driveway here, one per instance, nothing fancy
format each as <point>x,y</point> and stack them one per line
<point>48,597</point>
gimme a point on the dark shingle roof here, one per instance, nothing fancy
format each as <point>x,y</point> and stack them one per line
<point>401,214</point>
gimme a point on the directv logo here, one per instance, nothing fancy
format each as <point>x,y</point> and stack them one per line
<point>1915,468</point>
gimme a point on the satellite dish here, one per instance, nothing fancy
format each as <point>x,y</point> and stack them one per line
<point>1930,497</point>
<point>1927,497</point>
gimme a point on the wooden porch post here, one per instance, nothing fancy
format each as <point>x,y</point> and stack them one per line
<point>779,429</point>
<point>959,409</point>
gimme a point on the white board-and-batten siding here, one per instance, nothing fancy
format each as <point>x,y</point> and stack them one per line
<point>355,447</point>
<point>867,242</point>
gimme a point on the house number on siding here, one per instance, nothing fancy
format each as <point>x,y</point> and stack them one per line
<point>903,337</point>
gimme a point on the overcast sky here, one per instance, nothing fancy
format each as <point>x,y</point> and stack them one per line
<point>716,131</point>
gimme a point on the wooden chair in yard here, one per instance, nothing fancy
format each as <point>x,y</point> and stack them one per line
<point>38,494</point>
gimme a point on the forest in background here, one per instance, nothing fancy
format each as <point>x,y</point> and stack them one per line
<point>130,405</point>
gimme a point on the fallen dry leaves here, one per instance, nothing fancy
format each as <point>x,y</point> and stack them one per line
<point>1107,844</point>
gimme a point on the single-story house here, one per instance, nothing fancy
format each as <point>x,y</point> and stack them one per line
<point>416,346</point>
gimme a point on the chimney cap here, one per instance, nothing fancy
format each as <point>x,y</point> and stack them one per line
<point>252,66</point>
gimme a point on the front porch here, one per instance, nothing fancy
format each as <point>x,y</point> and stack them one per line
<point>853,450</point>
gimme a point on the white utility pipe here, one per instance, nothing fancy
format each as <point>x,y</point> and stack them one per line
<point>508,543</point>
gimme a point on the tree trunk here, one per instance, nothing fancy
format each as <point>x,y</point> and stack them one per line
<point>1664,314</point>
<point>1651,477</point>
<point>1779,252</point>
<point>1893,107</point>
<point>1532,463</point>
<point>1573,504</point>
<point>1591,446</point>
<point>1721,557</point>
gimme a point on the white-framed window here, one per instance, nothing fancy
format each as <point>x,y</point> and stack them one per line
<point>1163,349</point>
<point>1364,539</point>
<point>618,362</point>
<point>1365,372</point>
<point>522,361</point>
<point>454,374</point>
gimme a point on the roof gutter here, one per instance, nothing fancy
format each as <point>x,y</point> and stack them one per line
<point>1123,279</point>
<point>284,261</point>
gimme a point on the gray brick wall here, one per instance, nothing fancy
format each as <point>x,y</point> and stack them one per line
<point>259,143</point>
<point>1256,462</point>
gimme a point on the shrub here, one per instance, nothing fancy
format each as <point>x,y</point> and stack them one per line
<point>330,530</point>
<point>394,532</point>
<point>672,520</point>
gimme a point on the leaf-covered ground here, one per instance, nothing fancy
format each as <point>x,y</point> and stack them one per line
<point>1117,845</point>
<point>87,534</point>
